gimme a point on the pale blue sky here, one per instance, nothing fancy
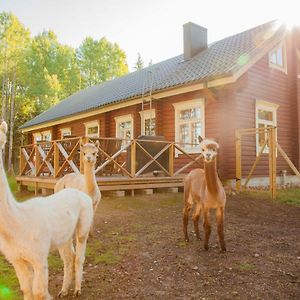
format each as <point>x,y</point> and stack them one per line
<point>151,27</point>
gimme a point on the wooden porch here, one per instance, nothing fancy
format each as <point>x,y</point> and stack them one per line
<point>122,165</point>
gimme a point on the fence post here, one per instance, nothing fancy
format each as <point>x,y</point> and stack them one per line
<point>22,162</point>
<point>56,160</point>
<point>171,159</point>
<point>37,159</point>
<point>133,158</point>
<point>238,162</point>
<point>272,161</point>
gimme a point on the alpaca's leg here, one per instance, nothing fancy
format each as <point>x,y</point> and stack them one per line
<point>79,260</point>
<point>40,281</point>
<point>207,227</point>
<point>220,224</point>
<point>25,275</point>
<point>186,212</point>
<point>67,254</point>
<point>196,217</point>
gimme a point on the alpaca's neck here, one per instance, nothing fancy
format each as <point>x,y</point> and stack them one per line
<point>8,205</point>
<point>90,177</point>
<point>211,176</point>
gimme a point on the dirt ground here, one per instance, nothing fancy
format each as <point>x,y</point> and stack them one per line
<point>138,252</point>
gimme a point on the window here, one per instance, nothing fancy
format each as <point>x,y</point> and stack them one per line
<point>124,127</point>
<point>277,58</point>
<point>65,132</point>
<point>189,123</point>
<point>266,116</point>
<point>148,122</point>
<point>42,136</point>
<point>92,129</point>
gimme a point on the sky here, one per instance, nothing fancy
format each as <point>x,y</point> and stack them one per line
<point>151,27</point>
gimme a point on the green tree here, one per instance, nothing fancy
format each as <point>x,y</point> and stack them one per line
<point>14,39</point>
<point>139,62</point>
<point>52,73</point>
<point>100,61</point>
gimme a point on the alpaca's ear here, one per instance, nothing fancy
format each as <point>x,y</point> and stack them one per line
<point>200,139</point>
<point>97,144</point>
<point>3,127</point>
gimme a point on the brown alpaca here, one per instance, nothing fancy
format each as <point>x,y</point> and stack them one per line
<point>204,190</point>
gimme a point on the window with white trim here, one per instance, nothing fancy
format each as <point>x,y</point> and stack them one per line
<point>148,122</point>
<point>189,123</point>
<point>266,116</point>
<point>92,129</point>
<point>42,136</point>
<point>124,127</point>
<point>277,58</point>
<point>65,132</point>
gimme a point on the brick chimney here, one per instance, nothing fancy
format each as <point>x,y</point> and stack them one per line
<point>194,40</point>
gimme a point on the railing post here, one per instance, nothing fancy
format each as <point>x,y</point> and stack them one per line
<point>272,161</point>
<point>22,162</point>
<point>133,158</point>
<point>171,159</point>
<point>56,160</point>
<point>37,159</point>
<point>238,150</point>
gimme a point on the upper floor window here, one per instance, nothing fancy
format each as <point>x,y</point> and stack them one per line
<point>266,116</point>
<point>189,123</point>
<point>148,122</point>
<point>65,132</point>
<point>124,127</point>
<point>277,58</point>
<point>92,129</point>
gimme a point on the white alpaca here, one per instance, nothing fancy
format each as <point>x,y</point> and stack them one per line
<point>29,230</point>
<point>85,182</point>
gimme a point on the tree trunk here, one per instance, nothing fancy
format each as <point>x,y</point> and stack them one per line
<point>12,122</point>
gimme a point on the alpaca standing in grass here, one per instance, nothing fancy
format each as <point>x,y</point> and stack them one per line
<point>204,190</point>
<point>85,182</point>
<point>29,230</point>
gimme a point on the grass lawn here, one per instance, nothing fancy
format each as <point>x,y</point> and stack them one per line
<point>289,196</point>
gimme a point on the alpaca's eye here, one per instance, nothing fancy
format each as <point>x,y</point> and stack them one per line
<point>203,149</point>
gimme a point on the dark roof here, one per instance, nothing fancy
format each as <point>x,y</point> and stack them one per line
<point>220,59</point>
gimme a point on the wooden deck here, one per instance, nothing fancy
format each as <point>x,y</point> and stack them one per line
<point>107,184</point>
<point>122,164</point>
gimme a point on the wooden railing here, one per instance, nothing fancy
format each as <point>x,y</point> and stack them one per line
<point>117,157</point>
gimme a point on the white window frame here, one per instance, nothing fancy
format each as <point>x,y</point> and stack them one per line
<point>41,134</point>
<point>199,102</point>
<point>90,124</point>
<point>284,58</point>
<point>37,137</point>
<point>266,106</point>
<point>146,115</point>
<point>65,132</point>
<point>121,119</point>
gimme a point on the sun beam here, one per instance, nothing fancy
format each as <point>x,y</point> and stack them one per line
<point>290,18</point>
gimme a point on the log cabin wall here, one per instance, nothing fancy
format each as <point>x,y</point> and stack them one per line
<point>272,85</point>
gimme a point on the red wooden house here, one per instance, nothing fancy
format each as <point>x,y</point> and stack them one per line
<point>247,80</point>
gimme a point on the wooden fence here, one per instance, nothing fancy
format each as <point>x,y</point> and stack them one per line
<point>117,157</point>
<point>273,147</point>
